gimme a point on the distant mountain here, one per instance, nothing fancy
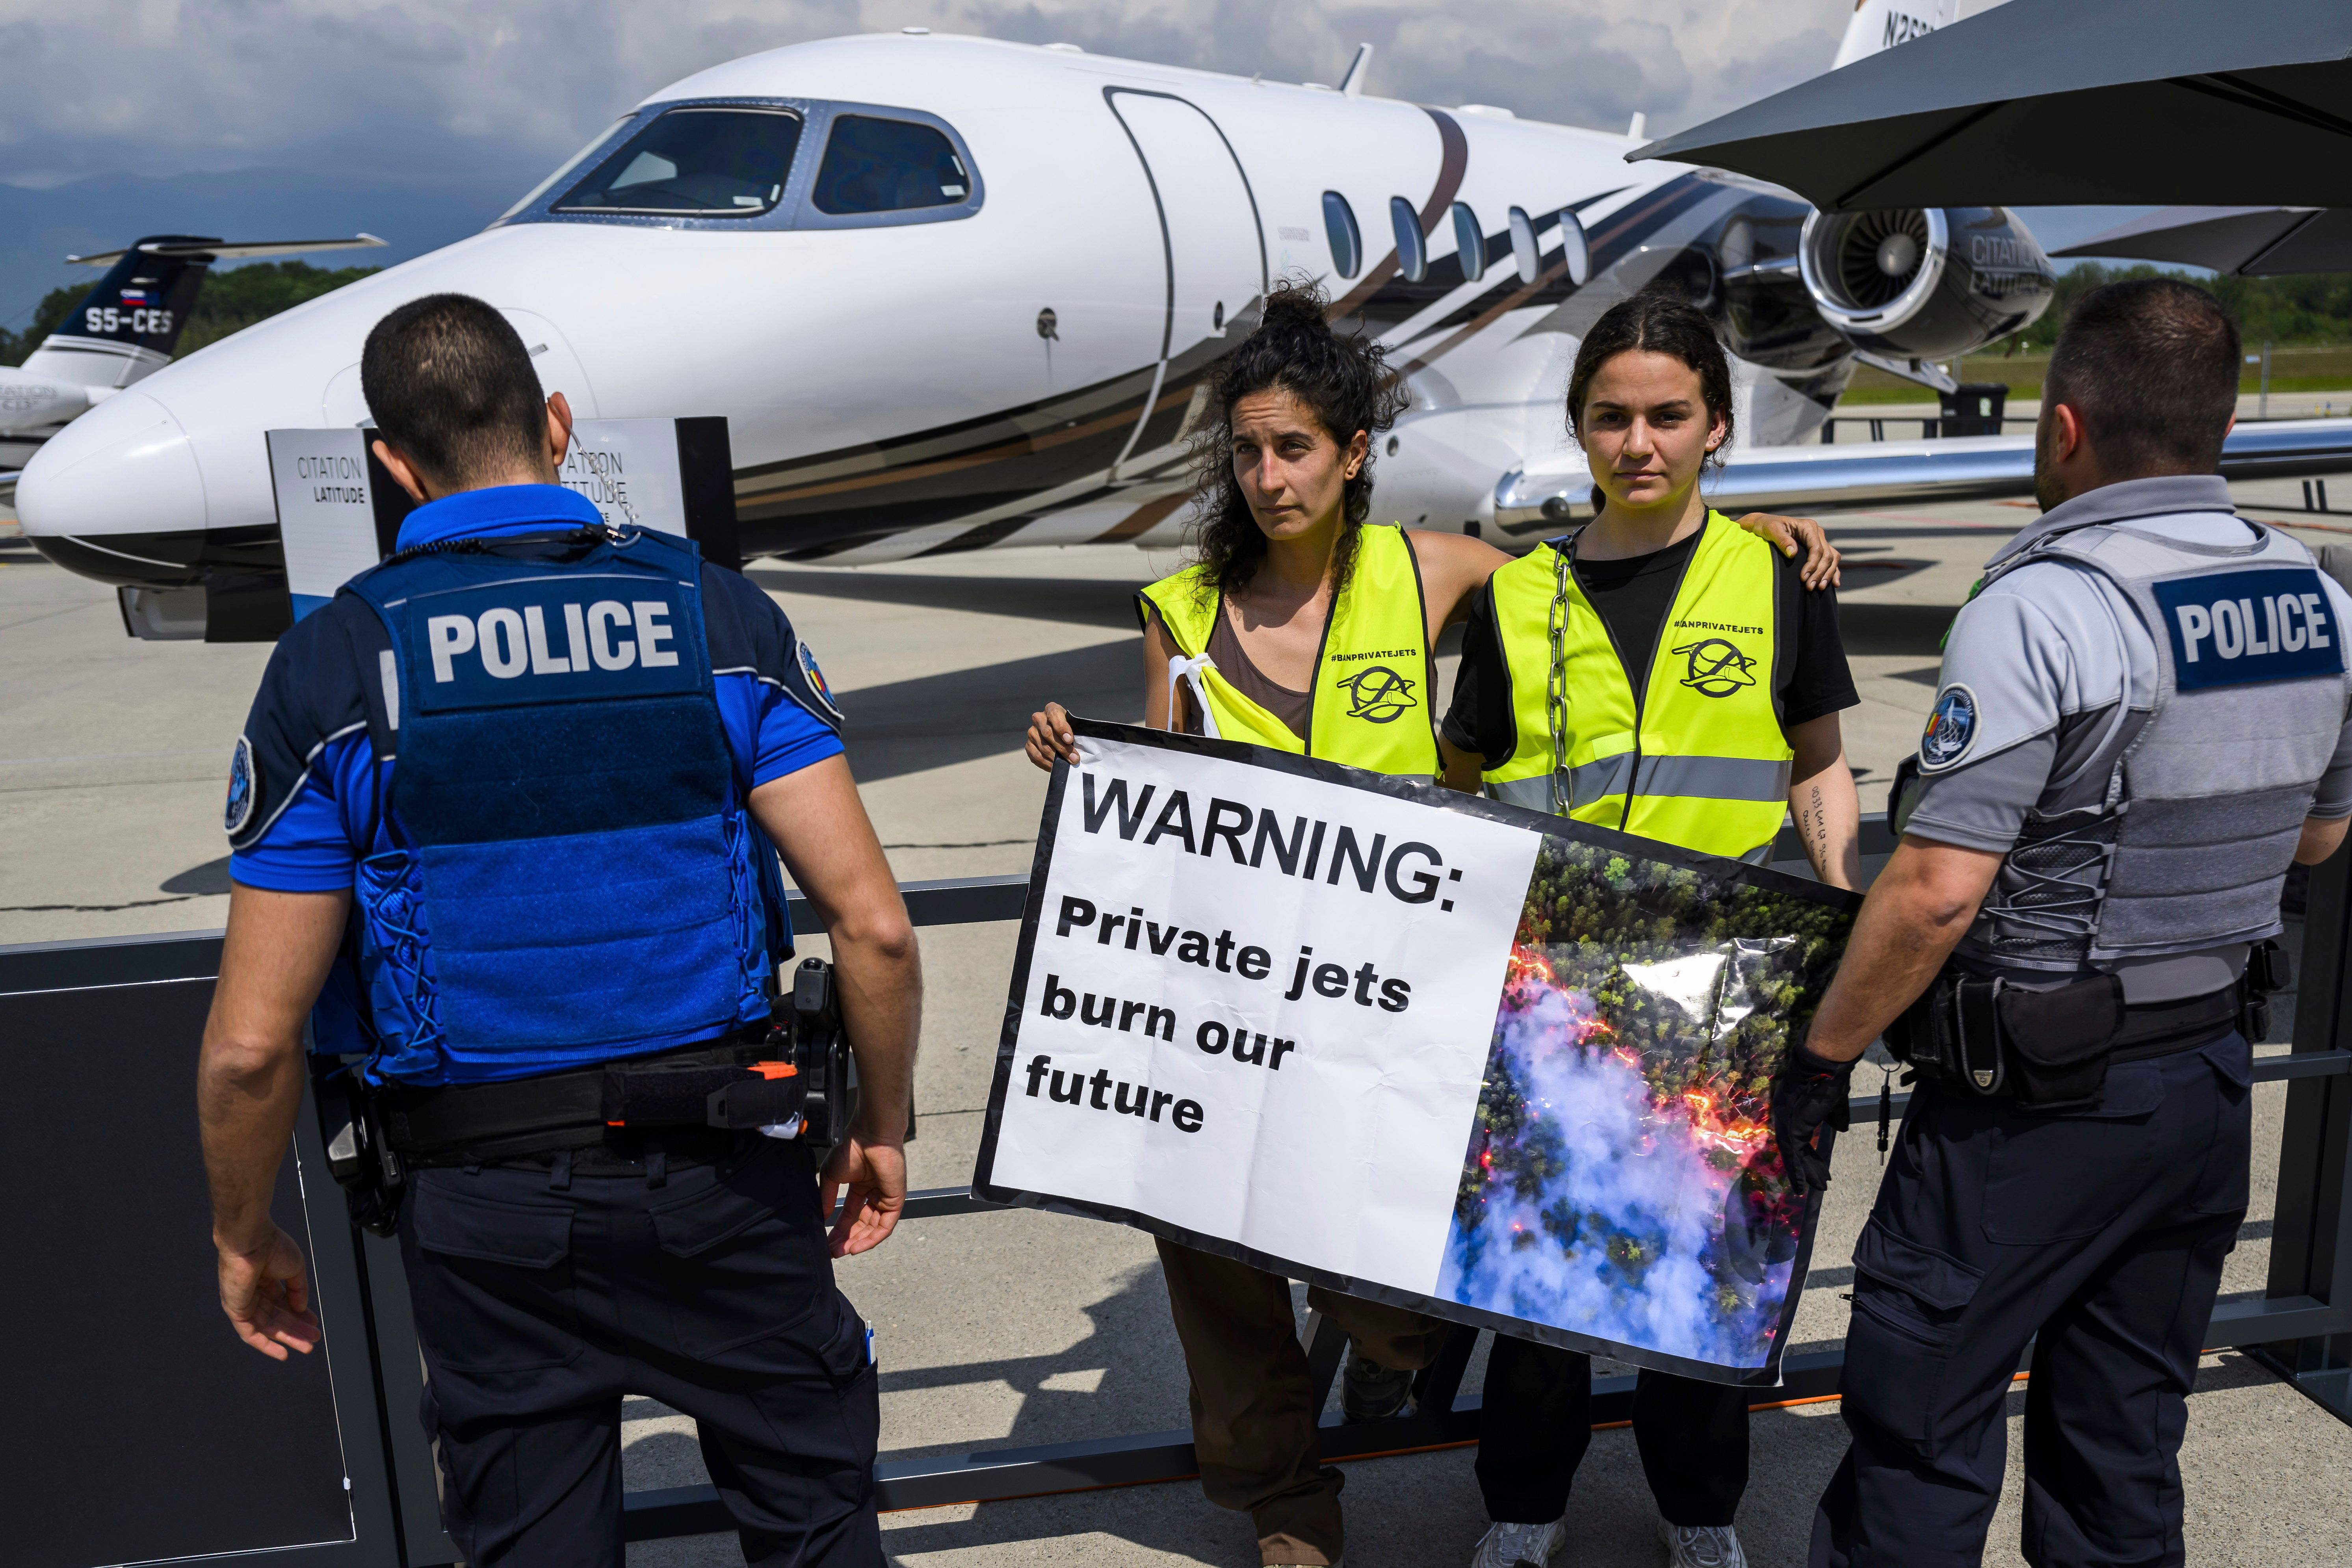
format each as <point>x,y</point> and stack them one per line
<point>416,214</point>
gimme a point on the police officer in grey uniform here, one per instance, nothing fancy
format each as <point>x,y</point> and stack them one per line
<point>2141,725</point>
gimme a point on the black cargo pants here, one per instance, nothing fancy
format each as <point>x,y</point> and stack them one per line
<point>2100,1231</point>
<point>543,1296</point>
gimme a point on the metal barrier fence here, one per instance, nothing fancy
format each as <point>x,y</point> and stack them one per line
<point>1931,426</point>
<point>112,999</point>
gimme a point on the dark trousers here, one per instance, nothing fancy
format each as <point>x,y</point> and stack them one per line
<point>1254,1414</point>
<point>1535,1423</point>
<point>543,1297</point>
<point>2102,1232</point>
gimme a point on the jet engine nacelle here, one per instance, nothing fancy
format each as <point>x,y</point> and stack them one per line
<point>36,404</point>
<point>1924,282</point>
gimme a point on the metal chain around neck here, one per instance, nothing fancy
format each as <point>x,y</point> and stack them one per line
<point>1555,689</point>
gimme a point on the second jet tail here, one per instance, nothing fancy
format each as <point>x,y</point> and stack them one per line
<point>126,327</point>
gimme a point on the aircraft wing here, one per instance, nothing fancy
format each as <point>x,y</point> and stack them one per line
<point>1961,468</point>
<point>232,251</point>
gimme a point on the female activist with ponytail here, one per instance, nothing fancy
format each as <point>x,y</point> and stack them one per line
<point>1663,673</point>
<point>1301,626</point>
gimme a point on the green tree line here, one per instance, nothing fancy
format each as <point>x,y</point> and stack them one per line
<point>2308,310</point>
<point>229,300</point>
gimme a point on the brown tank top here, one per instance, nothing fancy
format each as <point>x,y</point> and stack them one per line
<point>1233,663</point>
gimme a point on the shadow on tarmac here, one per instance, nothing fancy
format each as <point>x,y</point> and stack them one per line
<point>1895,628</point>
<point>933,721</point>
<point>1087,602</point>
<point>211,877</point>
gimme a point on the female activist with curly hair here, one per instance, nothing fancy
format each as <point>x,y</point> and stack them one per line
<point>1302,625</point>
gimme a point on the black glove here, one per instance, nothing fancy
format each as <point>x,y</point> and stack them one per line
<point>1809,1093</point>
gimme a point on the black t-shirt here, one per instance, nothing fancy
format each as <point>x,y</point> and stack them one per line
<point>1634,595</point>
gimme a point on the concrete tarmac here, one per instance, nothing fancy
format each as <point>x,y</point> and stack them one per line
<point>1018,1328</point>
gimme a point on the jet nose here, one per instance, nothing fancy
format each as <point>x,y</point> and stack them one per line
<point>124,469</point>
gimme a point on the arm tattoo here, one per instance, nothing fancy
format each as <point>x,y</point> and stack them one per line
<point>1813,828</point>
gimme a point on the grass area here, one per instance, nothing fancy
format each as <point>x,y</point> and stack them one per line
<point>2292,370</point>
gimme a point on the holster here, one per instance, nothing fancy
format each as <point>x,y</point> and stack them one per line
<point>359,1157</point>
<point>2267,969</point>
<point>821,1049</point>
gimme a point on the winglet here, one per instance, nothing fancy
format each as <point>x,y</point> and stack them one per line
<point>1352,84</point>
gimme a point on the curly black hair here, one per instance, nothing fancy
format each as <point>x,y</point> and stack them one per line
<point>1661,323</point>
<point>1345,381</point>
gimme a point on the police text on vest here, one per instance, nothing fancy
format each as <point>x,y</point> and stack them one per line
<point>2232,628</point>
<point>510,642</point>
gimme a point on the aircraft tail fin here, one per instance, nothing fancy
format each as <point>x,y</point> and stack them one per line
<point>1880,25</point>
<point>140,307</point>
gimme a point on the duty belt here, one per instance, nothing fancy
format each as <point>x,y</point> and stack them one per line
<point>2050,1049</point>
<point>794,1073</point>
<point>733,1086</point>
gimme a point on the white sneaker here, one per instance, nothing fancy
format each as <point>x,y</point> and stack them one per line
<point>1700,1545</point>
<point>1520,1545</point>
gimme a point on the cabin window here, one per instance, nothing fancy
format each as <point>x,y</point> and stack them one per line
<point>1575,248</point>
<point>1339,227</point>
<point>1412,252</point>
<point>1469,243</point>
<point>1525,256</point>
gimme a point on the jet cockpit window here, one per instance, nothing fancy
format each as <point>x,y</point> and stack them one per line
<point>566,167</point>
<point>711,163</point>
<point>1340,228</point>
<point>876,165</point>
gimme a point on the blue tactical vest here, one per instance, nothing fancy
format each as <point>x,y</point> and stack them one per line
<point>574,878</point>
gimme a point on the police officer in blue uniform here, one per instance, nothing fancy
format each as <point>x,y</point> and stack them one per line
<point>2141,726</point>
<point>505,818</point>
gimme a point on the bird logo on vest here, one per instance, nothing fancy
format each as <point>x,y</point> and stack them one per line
<point>1377,693</point>
<point>1715,668</point>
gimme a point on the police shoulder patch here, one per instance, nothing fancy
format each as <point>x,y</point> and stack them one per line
<point>816,683</point>
<point>1951,727</point>
<point>241,792</point>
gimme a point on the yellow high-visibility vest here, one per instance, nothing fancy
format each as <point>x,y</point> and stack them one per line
<point>1700,760</point>
<point>1373,680</point>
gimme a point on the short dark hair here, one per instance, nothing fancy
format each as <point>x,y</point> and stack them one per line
<point>2151,366</point>
<point>1345,381</point>
<point>1659,323</point>
<point>448,382</point>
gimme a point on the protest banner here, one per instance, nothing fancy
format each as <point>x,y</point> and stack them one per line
<point>1413,1045</point>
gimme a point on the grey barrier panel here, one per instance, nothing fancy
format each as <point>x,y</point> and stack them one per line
<point>2311,1255</point>
<point>2302,1325</point>
<point>160,1435</point>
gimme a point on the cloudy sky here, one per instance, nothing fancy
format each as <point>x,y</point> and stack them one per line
<point>474,87</point>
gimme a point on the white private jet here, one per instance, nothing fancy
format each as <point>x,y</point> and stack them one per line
<point>122,331</point>
<point>952,292</point>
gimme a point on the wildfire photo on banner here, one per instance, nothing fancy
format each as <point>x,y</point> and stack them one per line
<point>1620,1181</point>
